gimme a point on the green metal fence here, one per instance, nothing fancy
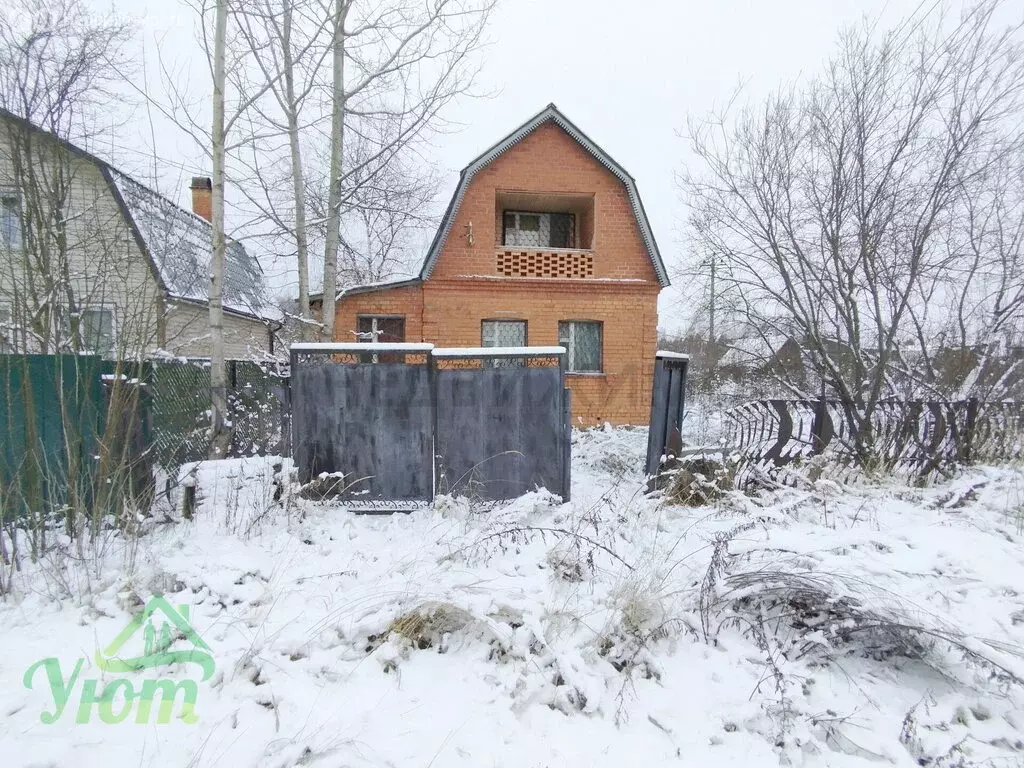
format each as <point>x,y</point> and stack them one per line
<point>53,411</point>
<point>180,394</point>
<point>65,418</point>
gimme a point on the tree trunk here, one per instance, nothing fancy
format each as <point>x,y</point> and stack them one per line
<point>333,237</point>
<point>221,425</point>
<point>298,176</point>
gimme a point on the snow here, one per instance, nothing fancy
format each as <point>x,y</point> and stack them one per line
<point>179,243</point>
<point>485,351</point>
<point>363,347</point>
<point>379,284</point>
<point>671,355</point>
<point>562,634</point>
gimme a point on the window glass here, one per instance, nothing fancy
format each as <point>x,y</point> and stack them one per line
<point>503,333</point>
<point>6,330</point>
<point>582,340</point>
<point>10,221</point>
<point>539,230</point>
<point>96,328</point>
<point>529,222</point>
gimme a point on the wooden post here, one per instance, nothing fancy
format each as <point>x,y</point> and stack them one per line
<point>967,453</point>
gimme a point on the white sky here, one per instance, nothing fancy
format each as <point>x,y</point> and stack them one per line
<point>628,74</point>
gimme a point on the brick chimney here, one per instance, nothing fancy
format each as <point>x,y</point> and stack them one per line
<point>202,197</point>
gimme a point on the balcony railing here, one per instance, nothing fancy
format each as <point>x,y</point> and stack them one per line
<point>516,261</point>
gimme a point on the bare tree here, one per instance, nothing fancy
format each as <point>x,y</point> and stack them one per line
<point>386,214</point>
<point>835,208</point>
<point>288,45</point>
<point>220,428</point>
<point>395,66</point>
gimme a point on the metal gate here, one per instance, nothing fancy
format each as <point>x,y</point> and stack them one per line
<point>388,425</point>
<point>502,421</point>
<point>368,426</point>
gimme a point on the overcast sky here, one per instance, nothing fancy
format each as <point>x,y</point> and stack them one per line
<point>627,73</point>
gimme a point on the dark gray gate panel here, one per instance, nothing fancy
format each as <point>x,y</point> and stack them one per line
<point>668,402</point>
<point>373,423</point>
<point>501,431</point>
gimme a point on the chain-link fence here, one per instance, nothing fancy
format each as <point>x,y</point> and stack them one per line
<point>181,410</point>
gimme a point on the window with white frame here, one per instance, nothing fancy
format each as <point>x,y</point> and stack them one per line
<point>10,218</point>
<point>96,329</point>
<point>582,341</point>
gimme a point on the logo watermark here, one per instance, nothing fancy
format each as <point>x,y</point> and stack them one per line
<point>116,698</point>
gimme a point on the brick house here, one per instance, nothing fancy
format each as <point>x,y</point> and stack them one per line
<point>544,242</point>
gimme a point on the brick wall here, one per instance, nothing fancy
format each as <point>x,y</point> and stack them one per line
<point>407,301</point>
<point>465,288</point>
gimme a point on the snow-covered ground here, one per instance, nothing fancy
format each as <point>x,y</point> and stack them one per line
<point>819,626</point>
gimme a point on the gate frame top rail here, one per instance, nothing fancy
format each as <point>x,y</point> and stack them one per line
<point>482,352</point>
<point>328,347</point>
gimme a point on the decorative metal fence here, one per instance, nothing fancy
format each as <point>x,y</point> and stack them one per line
<point>919,438</point>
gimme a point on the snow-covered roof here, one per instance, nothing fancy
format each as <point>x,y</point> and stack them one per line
<point>178,242</point>
<point>550,113</point>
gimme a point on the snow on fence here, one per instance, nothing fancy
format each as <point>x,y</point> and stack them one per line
<point>920,438</point>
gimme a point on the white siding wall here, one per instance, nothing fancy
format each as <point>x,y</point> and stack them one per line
<point>188,333</point>
<point>105,266</point>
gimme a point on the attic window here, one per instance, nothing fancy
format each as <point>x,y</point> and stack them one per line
<point>539,230</point>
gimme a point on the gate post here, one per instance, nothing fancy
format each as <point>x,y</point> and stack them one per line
<point>821,427</point>
<point>668,400</point>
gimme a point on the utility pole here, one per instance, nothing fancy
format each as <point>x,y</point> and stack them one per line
<point>711,320</point>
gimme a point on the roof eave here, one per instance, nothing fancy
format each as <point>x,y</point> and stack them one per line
<point>355,290</point>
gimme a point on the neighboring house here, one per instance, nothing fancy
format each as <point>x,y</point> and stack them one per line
<point>545,242</point>
<point>96,260</point>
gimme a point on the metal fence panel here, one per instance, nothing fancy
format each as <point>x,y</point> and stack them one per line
<point>51,416</point>
<point>668,403</point>
<point>501,431</point>
<point>371,422</point>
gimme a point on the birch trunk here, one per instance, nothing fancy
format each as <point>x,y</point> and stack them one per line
<point>333,236</point>
<point>298,176</point>
<point>221,426</point>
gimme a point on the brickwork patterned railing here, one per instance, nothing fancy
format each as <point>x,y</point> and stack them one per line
<point>517,262</point>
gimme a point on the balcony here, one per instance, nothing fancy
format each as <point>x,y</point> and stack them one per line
<point>544,234</point>
<point>564,263</point>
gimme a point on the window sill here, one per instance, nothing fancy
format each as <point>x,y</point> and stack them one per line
<point>587,374</point>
